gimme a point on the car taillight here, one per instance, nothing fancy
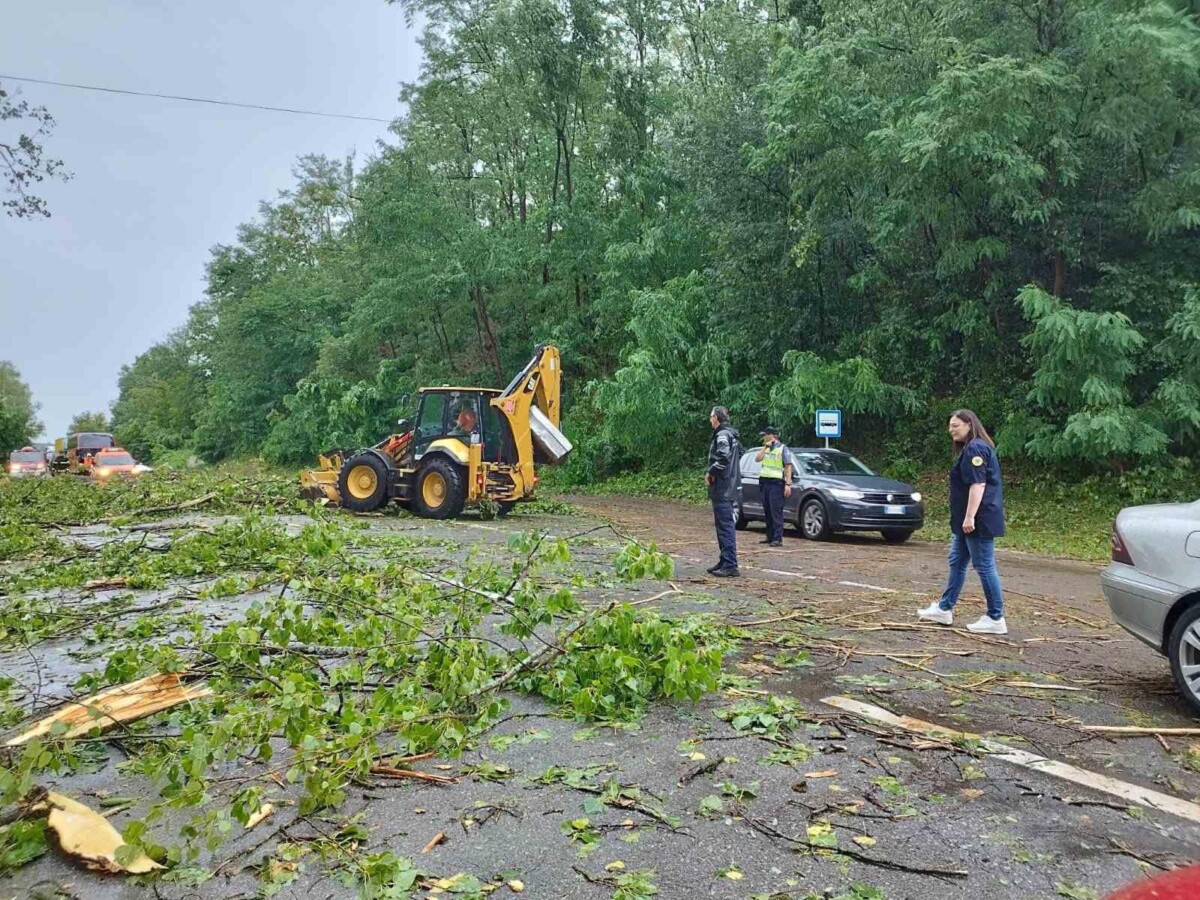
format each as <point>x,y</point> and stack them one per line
<point>1120,553</point>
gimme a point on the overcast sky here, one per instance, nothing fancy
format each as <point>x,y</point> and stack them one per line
<point>158,182</point>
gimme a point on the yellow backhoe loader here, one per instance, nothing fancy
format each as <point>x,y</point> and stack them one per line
<point>466,446</point>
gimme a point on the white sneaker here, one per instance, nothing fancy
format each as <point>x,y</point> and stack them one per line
<point>934,613</point>
<point>988,625</point>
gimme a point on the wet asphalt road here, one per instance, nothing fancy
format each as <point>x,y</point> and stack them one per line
<point>847,604</point>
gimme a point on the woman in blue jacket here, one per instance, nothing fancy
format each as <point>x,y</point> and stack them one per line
<point>976,520</point>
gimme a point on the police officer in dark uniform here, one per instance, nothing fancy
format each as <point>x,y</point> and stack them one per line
<point>774,483</point>
<point>724,455</point>
<point>976,520</point>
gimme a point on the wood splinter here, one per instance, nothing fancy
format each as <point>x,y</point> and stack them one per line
<point>439,838</point>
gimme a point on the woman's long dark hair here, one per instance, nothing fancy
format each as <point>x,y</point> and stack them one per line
<point>976,431</point>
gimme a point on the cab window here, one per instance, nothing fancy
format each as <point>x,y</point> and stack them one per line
<point>493,434</point>
<point>432,421</point>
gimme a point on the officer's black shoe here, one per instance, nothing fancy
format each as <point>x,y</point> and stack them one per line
<point>775,544</point>
<point>711,569</point>
<point>765,541</point>
<point>727,573</point>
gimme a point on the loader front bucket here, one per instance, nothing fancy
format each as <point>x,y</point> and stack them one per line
<point>322,482</point>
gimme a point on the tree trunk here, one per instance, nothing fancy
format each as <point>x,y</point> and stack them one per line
<point>487,335</point>
<point>550,212</point>
<point>1060,273</point>
<point>439,331</point>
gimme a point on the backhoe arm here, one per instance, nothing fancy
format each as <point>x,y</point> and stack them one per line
<point>541,381</point>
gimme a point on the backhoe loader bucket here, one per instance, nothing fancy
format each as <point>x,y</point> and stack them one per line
<point>322,482</point>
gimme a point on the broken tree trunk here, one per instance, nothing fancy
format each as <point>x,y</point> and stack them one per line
<point>86,836</point>
<point>124,703</point>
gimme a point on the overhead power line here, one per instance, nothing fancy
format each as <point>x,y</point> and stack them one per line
<point>108,90</point>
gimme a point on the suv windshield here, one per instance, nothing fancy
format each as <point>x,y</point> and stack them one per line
<point>114,459</point>
<point>27,456</point>
<point>832,464</point>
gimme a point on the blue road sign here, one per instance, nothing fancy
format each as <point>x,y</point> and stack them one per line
<point>829,423</point>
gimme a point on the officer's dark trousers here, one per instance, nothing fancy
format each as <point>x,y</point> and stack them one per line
<point>771,491</point>
<point>725,518</point>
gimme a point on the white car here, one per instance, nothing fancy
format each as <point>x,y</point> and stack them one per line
<point>1152,585</point>
<point>27,462</point>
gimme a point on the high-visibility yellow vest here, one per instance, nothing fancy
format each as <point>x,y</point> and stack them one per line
<point>772,463</point>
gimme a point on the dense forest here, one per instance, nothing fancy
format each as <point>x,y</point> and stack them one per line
<point>894,207</point>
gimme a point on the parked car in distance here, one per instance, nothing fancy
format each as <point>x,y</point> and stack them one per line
<point>831,492</point>
<point>115,462</point>
<point>1152,585</point>
<point>27,462</point>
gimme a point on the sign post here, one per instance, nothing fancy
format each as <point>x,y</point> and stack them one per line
<point>829,424</point>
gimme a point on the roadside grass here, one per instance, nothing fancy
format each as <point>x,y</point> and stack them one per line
<point>1062,520</point>
<point>1044,516</point>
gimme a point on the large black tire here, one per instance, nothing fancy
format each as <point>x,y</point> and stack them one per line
<point>814,520</point>
<point>896,535</point>
<point>363,483</point>
<point>440,490</point>
<point>1183,653</point>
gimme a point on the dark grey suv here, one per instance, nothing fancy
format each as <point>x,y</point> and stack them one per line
<point>832,491</point>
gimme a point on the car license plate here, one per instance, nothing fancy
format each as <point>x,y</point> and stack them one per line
<point>893,510</point>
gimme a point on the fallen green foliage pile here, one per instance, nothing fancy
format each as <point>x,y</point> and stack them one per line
<point>71,501</point>
<point>348,650</point>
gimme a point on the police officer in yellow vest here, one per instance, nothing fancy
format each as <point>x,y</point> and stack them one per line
<point>774,483</point>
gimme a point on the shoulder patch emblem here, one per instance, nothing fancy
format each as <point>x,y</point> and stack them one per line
<point>977,460</point>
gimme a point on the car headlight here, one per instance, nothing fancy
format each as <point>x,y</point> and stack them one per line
<point>843,494</point>
<point>916,496</point>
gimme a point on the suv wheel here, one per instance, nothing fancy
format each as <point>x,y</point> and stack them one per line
<point>1183,649</point>
<point>814,520</point>
<point>742,522</point>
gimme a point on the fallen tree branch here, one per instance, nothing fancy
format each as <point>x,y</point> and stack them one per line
<point>187,504</point>
<point>763,828</point>
<point>1138,731</point>
<point>794,615</point>
<point>389,772</point>
<point>551,653</point>
<point>1122,849</point>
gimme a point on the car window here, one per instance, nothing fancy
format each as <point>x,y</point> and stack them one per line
<point>831,464</point>
<point>27,456</point>
<point>114,459</point>
<point>750,466</point>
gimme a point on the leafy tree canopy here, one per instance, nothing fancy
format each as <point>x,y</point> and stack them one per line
<point>886,206</point>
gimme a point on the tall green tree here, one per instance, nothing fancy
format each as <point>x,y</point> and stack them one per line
<point>18,413</point>
<point>162,394</point>
<point>894,208</point>
<point>89,421</point>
